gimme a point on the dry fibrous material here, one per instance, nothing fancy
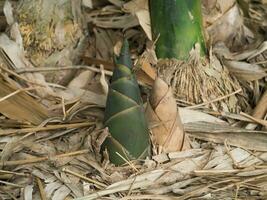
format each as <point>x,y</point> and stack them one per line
<point>166,127</point>
<point>49,27</point>
<point>201,80</point>
<point>255,13</point>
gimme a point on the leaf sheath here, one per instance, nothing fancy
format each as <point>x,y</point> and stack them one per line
<point>124,114</point>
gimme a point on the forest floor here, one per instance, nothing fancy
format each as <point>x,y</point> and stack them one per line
<point>56,62</point>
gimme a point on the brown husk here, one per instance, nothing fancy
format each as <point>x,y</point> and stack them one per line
<point>166,127</point>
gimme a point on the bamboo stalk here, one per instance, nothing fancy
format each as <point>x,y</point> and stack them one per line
<point>178,26</point>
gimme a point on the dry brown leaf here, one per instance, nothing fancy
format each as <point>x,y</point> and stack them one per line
<point>189,116</point>
<point>117,3</point>
<point>82,79</point>
<point>84,96</point>
<point>147,73</point>
<point>218,133</point>
<point>121,21</point>
<point>20,106</point>
<point>143,78</point>
<point>261,108</point>
<point>226,24</point>
<point>259,111</point>
<point>214,9</point>
<point>103,81</point>
<point>61,193</point>
<point>163,115</point>
<point>139,8</point>
<point>148,69</point>
<point>245,71</point>
<point>15,59</point>
<point>28,192</point>
<point>87,3</point>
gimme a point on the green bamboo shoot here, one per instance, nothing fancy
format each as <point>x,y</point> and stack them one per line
<point>178,26</point>
<point>124,114</point>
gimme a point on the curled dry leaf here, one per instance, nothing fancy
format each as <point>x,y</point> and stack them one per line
<point>81,80</point>
<point>259,111</point>
<point>139,8</point>
<point>245,71</point>
<point>162,112</point>
<point>223,21</point>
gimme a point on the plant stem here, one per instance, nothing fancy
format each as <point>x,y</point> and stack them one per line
<point>178,26</point>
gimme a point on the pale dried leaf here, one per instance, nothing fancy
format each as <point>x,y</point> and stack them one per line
<point>103,81</point>
<point>87,3</point>
<point>218,133</point>
<point>15,35</point>
<point>262,48</point>
<point>85,96</point>
<point>117,22</point>
<point>8,11</point>
<point>81,80</point>
<point>144,20</point>
<point>249,54</point>
<point>71,183</point>
<point>13,145</point>
<point>188,116</point>
<point>117,3</point>
<point>227,26</point>
<point>191,153</point>
<point>244,70</point>
<point>259,111</point>
<point>148,69</point>
<point>28,191</point>
<point>214,9</point>
<point>159,176</point>
<point>15,57</point>
<point>14,27</point>
<point>60,31</point>
<point>139,8</point>
<point>51,188</point>
<point>61,193</point>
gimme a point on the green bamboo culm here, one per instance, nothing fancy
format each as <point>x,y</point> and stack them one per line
<point>178,26</point>
<point>124,114</point>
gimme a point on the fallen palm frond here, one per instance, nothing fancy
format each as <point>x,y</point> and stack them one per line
<point>15,103</point>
